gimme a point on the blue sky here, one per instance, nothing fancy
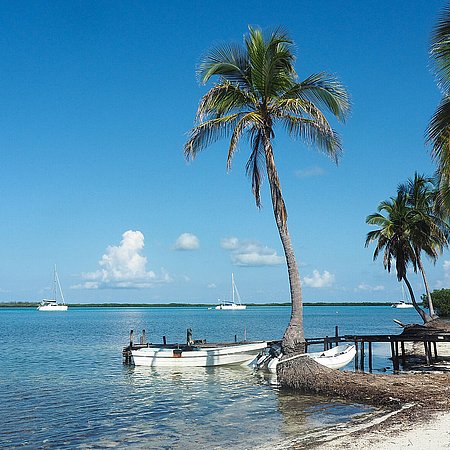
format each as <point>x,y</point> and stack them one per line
<point>97,98</point>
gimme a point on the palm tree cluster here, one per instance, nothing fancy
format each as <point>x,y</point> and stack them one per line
<point>256,90</point>
<point>409,225</point>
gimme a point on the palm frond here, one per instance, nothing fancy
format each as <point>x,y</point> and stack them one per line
<point>438,134</point>
<point>253,167</point>
<point>248,120</point>
<point>440,49</point>
<point>323,90</point>
<point>271,61</point>
<point>314,133</point>
<point>222,99</point>
<point>206,133</point>
<point>227,60</point>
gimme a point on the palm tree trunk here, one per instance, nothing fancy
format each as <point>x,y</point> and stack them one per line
<point>425,317</point>
<point>293,338</point>
<point>427,289</point>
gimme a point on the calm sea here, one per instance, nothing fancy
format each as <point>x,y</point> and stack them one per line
<point>63,384</point>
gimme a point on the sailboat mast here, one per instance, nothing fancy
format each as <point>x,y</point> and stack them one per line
<point>59,287</point>
<point>54,283</point>
<point>232,287</point>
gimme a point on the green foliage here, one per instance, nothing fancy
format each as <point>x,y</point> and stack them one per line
<point>441,301</point>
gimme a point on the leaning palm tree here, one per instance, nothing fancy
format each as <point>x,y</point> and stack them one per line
<point>400,228</point>
<point>256,90</point>
<point>421,196</point>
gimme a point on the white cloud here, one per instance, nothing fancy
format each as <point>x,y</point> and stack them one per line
<point>319,281</point>
<point>445,283</point>
<point>123,267</point>
<point>230,243</point>
<point>368,287</point>
<point>250,253</point>
<point>212,286</point>
<point>187,241</point>
<point>314,171</point>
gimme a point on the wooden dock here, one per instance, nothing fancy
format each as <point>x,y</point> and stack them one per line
<point>363,344</point>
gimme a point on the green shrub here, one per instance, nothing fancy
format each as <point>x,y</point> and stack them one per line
<point>441,301</point>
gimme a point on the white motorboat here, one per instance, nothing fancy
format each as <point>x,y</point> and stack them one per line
<point>201,355</point>
<point>52,304</point>
<point>335,358</point>
<point>232,305</point>
<point>402,304</point>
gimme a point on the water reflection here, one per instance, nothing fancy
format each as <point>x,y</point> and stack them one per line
<point>179,408</point>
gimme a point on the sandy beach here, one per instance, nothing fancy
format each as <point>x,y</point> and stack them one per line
<point>433,434</point>
<point>421,420</point>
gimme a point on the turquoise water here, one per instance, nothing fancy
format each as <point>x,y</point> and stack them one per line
<point>63,384</point>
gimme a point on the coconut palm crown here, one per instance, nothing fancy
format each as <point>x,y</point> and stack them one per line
<point>256,90</point>
<point>403,233</point>
<point>422,194</point>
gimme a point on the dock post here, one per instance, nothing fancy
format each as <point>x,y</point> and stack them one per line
<point>435,351</point>
<point>325,343</point>
<point>356,356</point>
<point>131,339</point>
<point>142,340</point>
<point>427,353</point>
<point>362,357</point>
<point>164,340</point>
<point>394,355</point>
<point>235,338</point>
<point>370,356</point>
<point>336,331</point>
<point>189,340</point>
<point>402,344</point>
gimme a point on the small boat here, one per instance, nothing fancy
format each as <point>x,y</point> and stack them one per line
<point>335,358</point>
<point>402,304</point>
<point>52,304</point>
<point>232,305</point>
<point>200,355</point>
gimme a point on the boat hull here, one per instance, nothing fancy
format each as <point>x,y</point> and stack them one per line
<point>335,358</point>
<point>52,308</point>
<point>231,307</point>
<point>239,354</point>
<point>402,305</point>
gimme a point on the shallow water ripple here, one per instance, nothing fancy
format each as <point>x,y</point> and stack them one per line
<point>63,385</point>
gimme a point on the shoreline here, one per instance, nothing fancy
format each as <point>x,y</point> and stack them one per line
<point>420,422</point>
<point>409,427</point>
<point>186,305</point>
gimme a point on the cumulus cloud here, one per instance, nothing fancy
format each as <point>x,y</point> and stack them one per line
<point>124,267</point>
<point>368,287</point>
<point>250,253</point>
<point>318,280</point>
<point>309,172</point>
<point>187,241</point>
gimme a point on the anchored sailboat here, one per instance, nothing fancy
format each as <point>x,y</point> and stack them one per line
<point>402,304</point>
<point>234,296</point>
<point>52,304</point>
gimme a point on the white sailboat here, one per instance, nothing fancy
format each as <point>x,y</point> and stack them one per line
<point>232,305</point>
<point>402,304</point>
<point>52,304</point>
